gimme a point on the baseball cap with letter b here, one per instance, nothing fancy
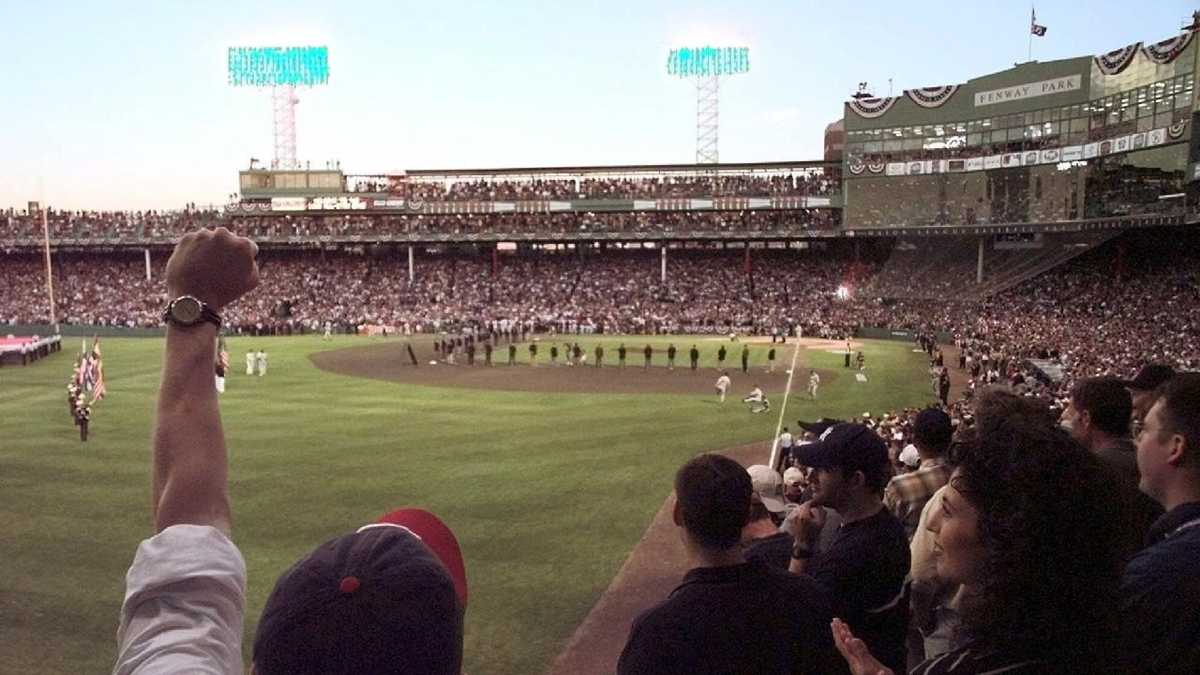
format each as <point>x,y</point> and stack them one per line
<point>852,447</point>
<point>387,598</point>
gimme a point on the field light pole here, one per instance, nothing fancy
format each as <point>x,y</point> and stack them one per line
<point>283,69</point>
<point>708,65</point>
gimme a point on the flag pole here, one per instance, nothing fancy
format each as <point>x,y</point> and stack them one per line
<point>1032,20</point>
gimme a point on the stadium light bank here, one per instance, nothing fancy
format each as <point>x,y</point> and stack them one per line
<point>283,69</point>
<point>708,65</point>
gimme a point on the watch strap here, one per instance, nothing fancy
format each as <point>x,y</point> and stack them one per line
<point>206,314</point>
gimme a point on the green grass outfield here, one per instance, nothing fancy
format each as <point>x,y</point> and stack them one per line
<point>548,492</point>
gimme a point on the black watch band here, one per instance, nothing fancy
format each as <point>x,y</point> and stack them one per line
<point>801,552</point>
<point>187,310</point>
<point>207,314</point>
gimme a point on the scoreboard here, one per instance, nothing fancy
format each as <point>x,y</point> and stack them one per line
<point>262,183</point>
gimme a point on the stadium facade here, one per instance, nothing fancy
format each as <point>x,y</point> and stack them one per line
<point>1091,137</point>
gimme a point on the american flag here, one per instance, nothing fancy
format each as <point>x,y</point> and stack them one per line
<point>222,354</point>
<point>1034,27</point>
<point>97,366</point>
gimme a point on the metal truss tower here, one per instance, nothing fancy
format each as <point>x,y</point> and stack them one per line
<point>708,119</point>
<point>284,102</point>
<point>707,65</point>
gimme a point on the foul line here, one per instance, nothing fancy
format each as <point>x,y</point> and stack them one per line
<point>783,406</point>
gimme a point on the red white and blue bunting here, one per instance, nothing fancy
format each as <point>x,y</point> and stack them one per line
<point>871,108</point>
<point>856,166</point>
<point>1116,61</point>
<point>1168,50</point>
<point>931,97</point>
<point>1175,131</point>
<point>875,167</point>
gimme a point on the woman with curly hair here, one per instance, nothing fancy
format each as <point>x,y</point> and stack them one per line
<point>1026,527</point>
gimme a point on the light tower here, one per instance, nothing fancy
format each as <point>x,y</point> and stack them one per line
<point>708,65</point>
<point>283,69</point>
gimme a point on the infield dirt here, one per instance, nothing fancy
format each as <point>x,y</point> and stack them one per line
<point>390,361</point>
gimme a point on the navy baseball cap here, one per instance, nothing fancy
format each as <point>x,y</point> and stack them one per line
<point>389,597</point>
<point>850,446</point>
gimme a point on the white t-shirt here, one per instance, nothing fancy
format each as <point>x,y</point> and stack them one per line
<point>723,382</point>
<point>185,603</point>
<point>785,439</point>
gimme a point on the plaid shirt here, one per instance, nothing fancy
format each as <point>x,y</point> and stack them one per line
<point>906,494</point>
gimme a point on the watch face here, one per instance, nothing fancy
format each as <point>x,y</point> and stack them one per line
<point>185,310</point>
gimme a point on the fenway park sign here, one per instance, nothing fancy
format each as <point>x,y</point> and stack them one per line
<point>1020,92</point>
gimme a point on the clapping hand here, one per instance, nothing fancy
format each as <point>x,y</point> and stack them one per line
<point>855,652</point>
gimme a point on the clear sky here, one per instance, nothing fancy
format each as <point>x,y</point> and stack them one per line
<point>125,105</point>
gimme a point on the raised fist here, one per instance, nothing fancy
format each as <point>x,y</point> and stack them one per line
<point>215,266</point>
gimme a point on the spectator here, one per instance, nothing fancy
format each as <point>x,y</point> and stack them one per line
<point>865,566</point>
<point>906,494</point>
<point>185,591</point>
<point>389,597</point>
<point>1160,591</point>
<point>1025,527</point>
<point>1144,385</point>
<point>728,615</point>
<point>762,538</point>
<point>1098,417</point>
<point>795,486</point>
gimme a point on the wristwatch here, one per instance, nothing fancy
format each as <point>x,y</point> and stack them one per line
<point>187,310</point>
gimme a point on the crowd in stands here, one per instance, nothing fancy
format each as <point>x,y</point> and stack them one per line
<point>1091,316</point>
<point>813,183</point>
<point>539,223</point>
<point>615,291</point>
<point>100,225</point>
<point>97,227</point>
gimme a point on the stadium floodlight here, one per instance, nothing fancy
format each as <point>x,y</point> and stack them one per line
<point>282,69</point>
<point>708,65</point>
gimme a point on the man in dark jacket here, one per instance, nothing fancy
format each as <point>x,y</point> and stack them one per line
<point>728,615</point>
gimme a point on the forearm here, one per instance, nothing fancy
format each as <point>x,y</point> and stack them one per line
<point>190,465</point>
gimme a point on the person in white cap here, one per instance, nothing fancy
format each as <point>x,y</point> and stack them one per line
<point>794,484</point>
<point>761,537</point>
